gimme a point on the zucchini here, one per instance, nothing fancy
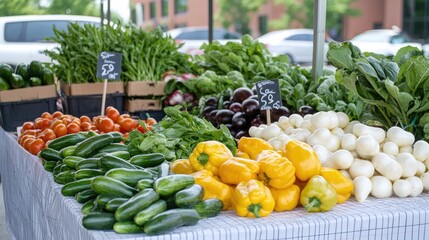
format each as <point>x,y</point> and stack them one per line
<point>169,185</point>
<point>64,168</point>
<point>145,183</point>
<point>127,227</point>
<point>113,147</point>
<point>99,221</point>
<point>68,151</point>
<point>57,168</point>
<point>89,163</point>
<point>135,204</point>
<point>103,184</point>
<point>64,177</point>
<point>85,196</point>
<point>90,145</point>
<point>109,162</point>
<point>104,198</point>
<point>155,208</point>
<point>50,154</point>
<point>133,150</point>
<point>209,208</point>
<point>72,188</point>
<point>71,161</point>
<point>66,140</point>
<point>113,204</point>
<point>129,176</point>
<point>88,206</point>
<point>125,155</point>
<point>171,219</point>
<point>148,160</point>
<point>190,196</point>
<point>88,173</point>
<point>49,165</point>
<point>117,137</point>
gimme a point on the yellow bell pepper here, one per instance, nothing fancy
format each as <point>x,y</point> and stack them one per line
<point>253,146</point>
<point>213,188</point>
<point>236,170</point>
<point>318,195</point>
<point>303,157</point>
<point>252,199</point>
<point>209,155</point>
<point>286,199</point>
<point>241,154</point>
<point>342,185</point>
<point>181,166</point>
<point>275,171</point>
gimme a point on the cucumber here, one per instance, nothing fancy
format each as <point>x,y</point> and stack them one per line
<point>109,162</point>
<point>35,69</point>
<point>104,198</point>
<point>35,81</point>
<point>90,163</point>
<point>47,76</point>
<point>87,207</point>
<point>88,173</point>
<point>103,184</point>
<point>17,81</point>
<point>66,140</point>
<point>57,168</point>
<point>155,208</point>
<point>68,151</point>
<point>169,185</point>
<point>64,168</point>
<point>190,196</point>
<point>49,165</point>
<point>85,196</point>
<point>125,155</point>
<point>22,70</point>
<point>64,177</point>
<point>71,161</point>
<point>113,147</point>
<point>90,145</point>
<point>99,221</point>
<point>129,176</point>
<point>209,208</point>
<point>113,204</point>
<point>135,204</point>
<point>171,219</point>
<point>148,160</point>
<point>127,227</point>
<point>145,183</point>
<point>133,150</point>
<point>117,137</point>
<point>50,154</point>
<point>72,188</point>
<point>4,85</point>
<point>6,72</point>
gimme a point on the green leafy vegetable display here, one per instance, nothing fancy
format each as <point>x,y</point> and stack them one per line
<point>395,89</point>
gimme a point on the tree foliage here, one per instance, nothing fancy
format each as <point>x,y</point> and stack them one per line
<point>19,7</point>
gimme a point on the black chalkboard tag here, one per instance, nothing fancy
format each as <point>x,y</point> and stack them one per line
<point>269,96</point>
<point>108,67</point>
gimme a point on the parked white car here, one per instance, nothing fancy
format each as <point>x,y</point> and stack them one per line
<point>297,44</point>
<point>193,37</point>
<point>23,38</point>
<point>383,41</point>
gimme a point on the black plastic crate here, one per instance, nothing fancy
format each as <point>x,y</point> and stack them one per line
<point>157,114</point>
<point>14,114</point>
<point>90,105</point>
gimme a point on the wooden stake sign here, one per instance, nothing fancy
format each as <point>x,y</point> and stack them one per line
<point>108,67</point>
<point>269,96</point>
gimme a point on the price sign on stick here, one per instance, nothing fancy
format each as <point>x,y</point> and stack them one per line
<point>108,67</point>
<point>269,96</point>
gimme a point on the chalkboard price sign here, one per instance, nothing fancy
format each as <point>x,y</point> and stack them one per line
<point>109,65</point>
<point>269,94</point>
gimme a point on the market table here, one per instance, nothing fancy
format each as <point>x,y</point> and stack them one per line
<point>35,209</point>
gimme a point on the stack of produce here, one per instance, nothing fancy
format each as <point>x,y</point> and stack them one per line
<point>126,192</point>
<point>259,180</point>
<point>34,74</point>
<point>379,162</point>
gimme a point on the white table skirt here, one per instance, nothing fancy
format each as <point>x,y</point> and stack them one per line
<point>35,209</point>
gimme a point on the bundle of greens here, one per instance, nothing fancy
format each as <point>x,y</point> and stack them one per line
<point>396,89</point>
<point>177,134</point>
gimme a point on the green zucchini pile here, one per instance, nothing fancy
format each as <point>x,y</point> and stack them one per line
<point>123,189</point>
<point>31,75</point>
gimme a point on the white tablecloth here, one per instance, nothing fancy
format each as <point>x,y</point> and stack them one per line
<point>35,209</point>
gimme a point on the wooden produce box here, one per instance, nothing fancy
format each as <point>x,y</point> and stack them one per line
<point>145,88</point>
<point>80,89</point>
<point>29,93</point>
<point>137,105</point>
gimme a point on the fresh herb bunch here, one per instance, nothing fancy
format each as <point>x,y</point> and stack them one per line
<point>177,134</point>
<point>396,88</point>
<point>145,55</point>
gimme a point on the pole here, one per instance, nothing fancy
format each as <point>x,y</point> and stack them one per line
<point>103,100</point>
<point>102,12</point>
<point>108,11</point>
<point>319,37</point>
<point>210,21</point>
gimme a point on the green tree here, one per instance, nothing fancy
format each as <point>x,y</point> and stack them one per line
<point>302,12</point>
<point>236,13</point>
<point>19,7</point>
<point>74,7</point>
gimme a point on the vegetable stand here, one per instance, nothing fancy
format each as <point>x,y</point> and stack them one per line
<point>35,209</point>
